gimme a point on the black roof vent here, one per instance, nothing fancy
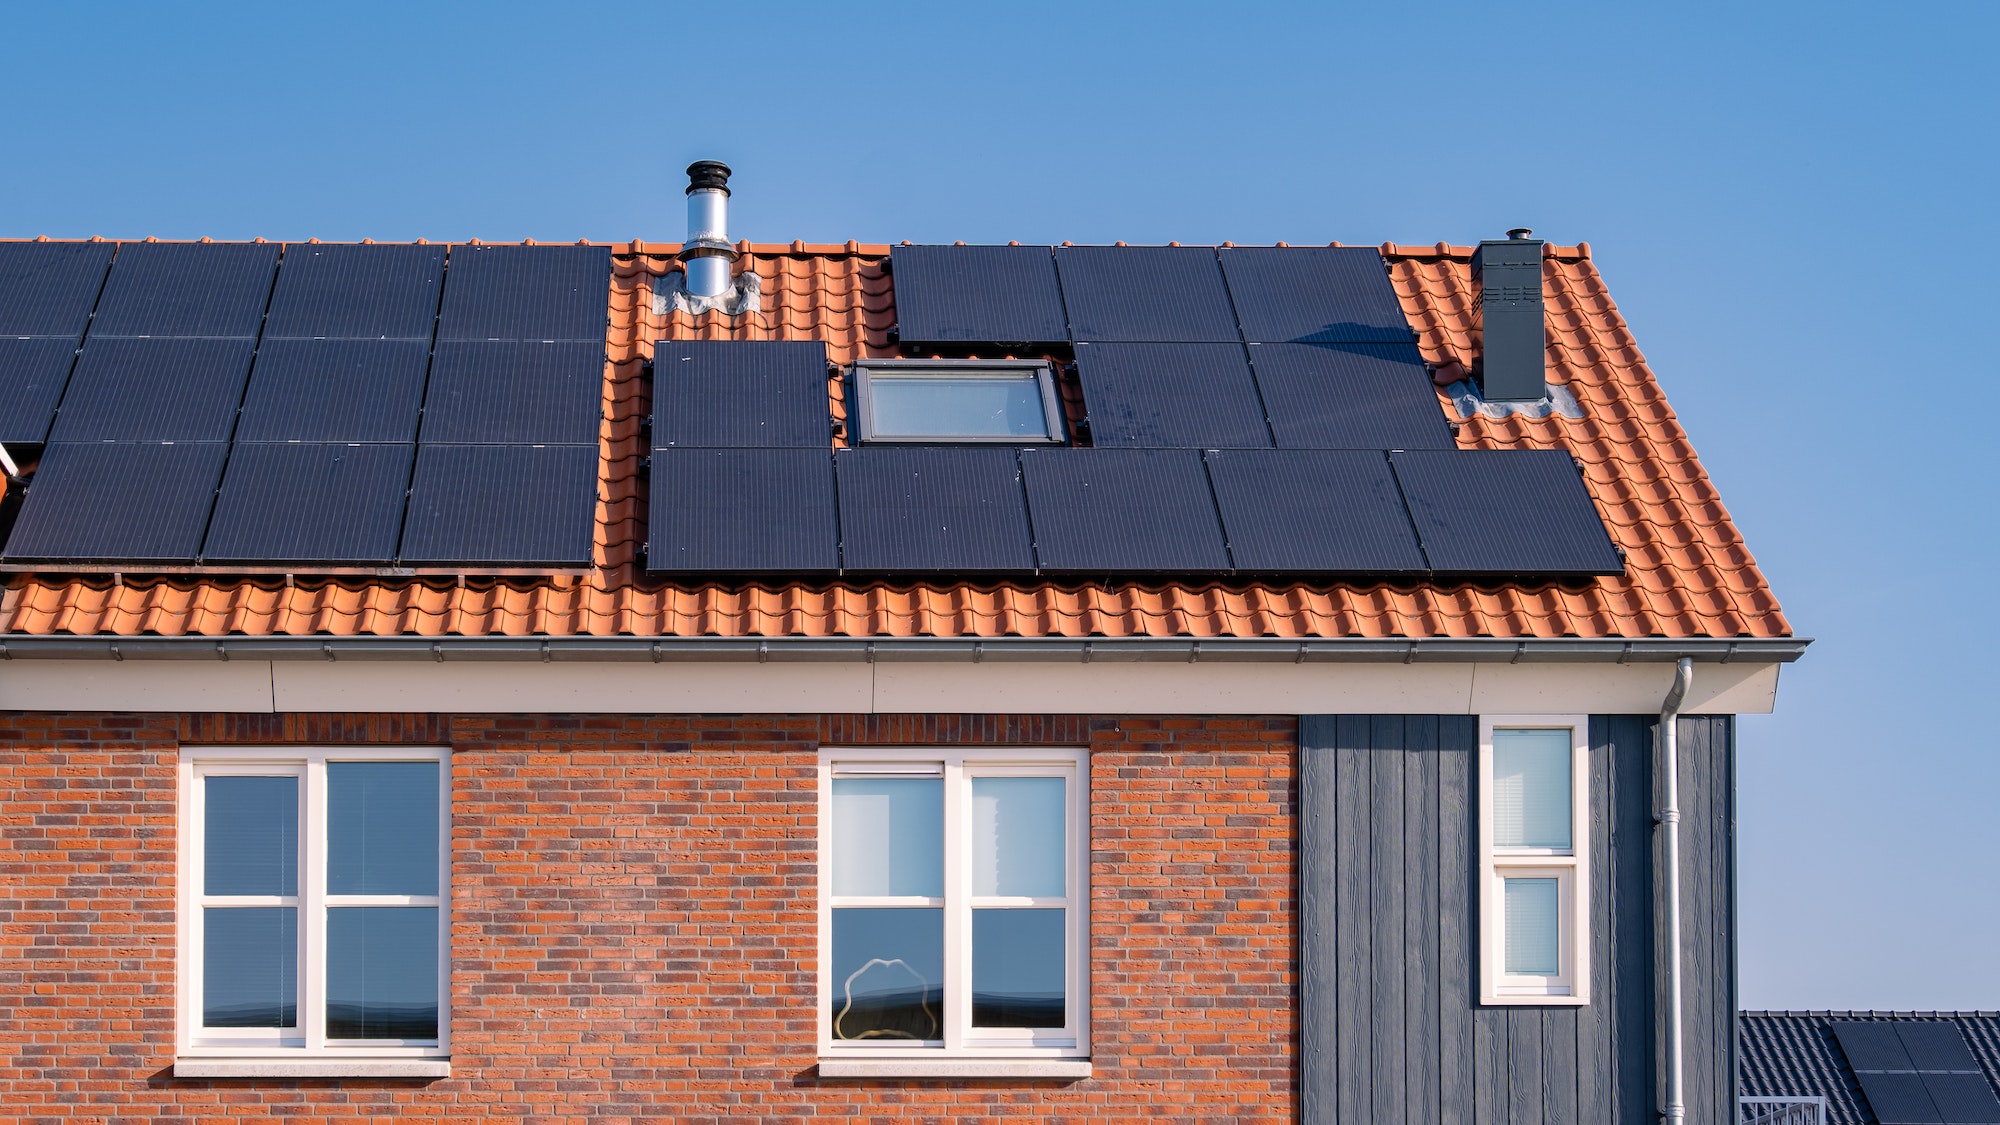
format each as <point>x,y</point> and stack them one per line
<point>1512,365</point>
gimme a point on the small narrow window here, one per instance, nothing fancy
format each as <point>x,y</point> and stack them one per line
<point>957,401</point>
<point>1534,855</point>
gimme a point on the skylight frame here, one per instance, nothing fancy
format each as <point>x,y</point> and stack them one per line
<point>1043,372</point>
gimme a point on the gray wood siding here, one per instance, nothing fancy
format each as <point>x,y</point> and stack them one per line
<point>1391,1029</point>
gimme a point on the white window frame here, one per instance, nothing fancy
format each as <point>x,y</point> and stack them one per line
<point>958,766</point>
<point>1569,867</point>
<point>865,373</point>
<point>308,1040</point>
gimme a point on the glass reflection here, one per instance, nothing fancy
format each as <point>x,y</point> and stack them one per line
<point>381,972</point>
<point>382,828</point>
<point>1531,800</point>
<point>1017,836</point>
<point>888,973</point>
<point>1018,968</point>
<point>250,833</point>
<point>965,406</point>
<point>249,966</point>
<point>888,836</point>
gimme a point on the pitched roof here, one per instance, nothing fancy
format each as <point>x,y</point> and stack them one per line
<point>1796,1053</point>
<point>1689,573</point>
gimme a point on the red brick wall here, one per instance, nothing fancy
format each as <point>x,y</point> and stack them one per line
<point>634,921</point>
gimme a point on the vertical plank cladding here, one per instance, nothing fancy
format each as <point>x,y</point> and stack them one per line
<point>1392,1028</point>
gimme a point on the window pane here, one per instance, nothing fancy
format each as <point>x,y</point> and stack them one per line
<point>249,966</point>
<point>1534,920</point>
<point>888,836</point>
<point>975,406</point>
<point>381,972</point>
<point>382,828</point>
<point>1017,968</point>
<point>888,973</point>
<point>1017,836</point>
<point>1531,773</point>
<point>251,835</point>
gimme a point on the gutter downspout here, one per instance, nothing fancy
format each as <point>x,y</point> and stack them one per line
<point>1668,830</point>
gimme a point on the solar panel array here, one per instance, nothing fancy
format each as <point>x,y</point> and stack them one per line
<point>1917,1072</point>
<point>337,405</point>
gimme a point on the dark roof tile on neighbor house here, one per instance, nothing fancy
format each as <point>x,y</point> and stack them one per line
<point>1689,574</point>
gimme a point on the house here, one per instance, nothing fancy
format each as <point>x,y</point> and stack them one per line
<point>726,681</point>
<point>1869,1068</point>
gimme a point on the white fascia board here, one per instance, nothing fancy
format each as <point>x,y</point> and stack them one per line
<point>888,687</point>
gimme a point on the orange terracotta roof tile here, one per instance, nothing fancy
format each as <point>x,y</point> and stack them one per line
<point>1688,575</point>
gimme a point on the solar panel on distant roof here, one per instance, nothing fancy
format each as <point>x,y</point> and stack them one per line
<point>730,393</point>
<point>1504,511</point>
<point>356,291</point>
<point>186,289</point>
<point>335,390</point>
<point>977,295</point>
<point>1172,294</point>
<point>525,293</point>
<point>1122,511</point>
<point>1934,1045</point>
<point>118,501</point>
<point>1898,1098</point>
<point>752,510</point>
<point>33,373</point>
<point>154,390</point>
<point>1349,396</point>
<point>310,502</point>
<point>1872,1045</point>
<point>1329,511</point>
<point>1174,396</point>
<point>1316,293</point>
<point>932,508</point>
<point>1961,1098</point>
<point>519,505</point>
<point>515,392</point>
<point>49,288</point>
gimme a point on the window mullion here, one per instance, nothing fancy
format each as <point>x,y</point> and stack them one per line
<point>312,908</point>
<point>957,914</point>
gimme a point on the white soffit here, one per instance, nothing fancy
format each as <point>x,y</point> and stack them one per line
<point>895,687</point>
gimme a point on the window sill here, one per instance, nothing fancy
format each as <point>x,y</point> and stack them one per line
<point>320,1066</point>
<point>1066,1069</point>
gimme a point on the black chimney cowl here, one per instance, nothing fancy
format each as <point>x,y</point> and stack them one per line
<point>1513,357</point>
<point>708,175</point>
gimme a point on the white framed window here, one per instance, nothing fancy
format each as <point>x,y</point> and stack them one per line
<point>1534,855</point>
<point>953,898</point>
<point>957,400</point>
<point>314,920</point>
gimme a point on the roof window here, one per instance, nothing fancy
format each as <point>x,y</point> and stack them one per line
<point>957,400</point>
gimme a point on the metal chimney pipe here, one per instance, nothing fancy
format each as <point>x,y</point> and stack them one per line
<point>707,254</point>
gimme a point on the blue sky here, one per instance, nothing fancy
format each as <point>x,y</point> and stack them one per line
<point>1793,205</point>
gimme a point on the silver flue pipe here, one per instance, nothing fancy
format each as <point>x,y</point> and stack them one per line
<point>707,254</point>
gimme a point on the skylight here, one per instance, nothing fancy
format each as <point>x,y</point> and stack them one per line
<point>956,401</point>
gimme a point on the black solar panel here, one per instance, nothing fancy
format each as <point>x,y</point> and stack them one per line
<point>977,295</point>
<point>186,289</point>
<point>154,390</point>
<point>1872,1045</point>
<point>118,501</point>
<point>1963,1099</point>
<point>49,288</point>
<point>1122,510</point>
<point>524,393</point>
<point>1321,294</point>
<point>719,393</point>
<point>1313,510</point>
<point>918,508</point>
<point>309,502</point>
<point>743,510</point>
<point>1349,396</point>
<point>1505,511</point>
<point>356,292</point>
<point>520,505</point>
<point>1935,1045</point>
<point>1898,1097</point>
<point>526,293</point>
<point>1173,294</point>
<point>32,375</point>
<point>1175,396</point>
<point>335,390</point>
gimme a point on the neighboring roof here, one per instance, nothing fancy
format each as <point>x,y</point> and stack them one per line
<point>1796,1054</point>
<point>1689,574</point>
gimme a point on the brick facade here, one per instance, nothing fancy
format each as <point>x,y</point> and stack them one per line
<point>634,920</point>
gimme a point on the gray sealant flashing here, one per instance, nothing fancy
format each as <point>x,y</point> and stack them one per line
<point>1556,400</point>
<point>745,295</point>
